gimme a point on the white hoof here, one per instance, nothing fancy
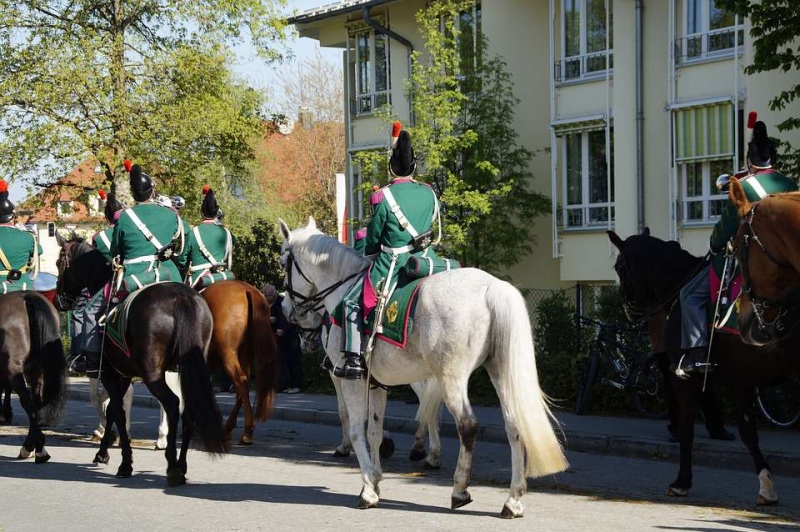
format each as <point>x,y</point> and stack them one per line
<point>161,444</point>
<point>767,495</point>
<point>512,509</point>
<point>42,456</point>
<point>367,499</point>
<point>23,454</point>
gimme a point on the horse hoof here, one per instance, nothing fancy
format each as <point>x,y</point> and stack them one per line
<point>363,504</point>
<point>458,502</point>
<point>175,477</point>
<point>100,459</point>
<point>431,467</point>
<point>763,501</point>
<point>246,440</point>
<point>43,458</point>
<point>339,454</point>
<point>386,449</point>
<point>674,491</point>
<point>508,513</point>
<point>24,453</point>
<point>417,454</point>
<point>124,471</point>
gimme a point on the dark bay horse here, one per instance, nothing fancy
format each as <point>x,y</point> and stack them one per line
<point>652,271</point>
<point>169,329</point>
<point>32,362</point>
<point>243,340</point>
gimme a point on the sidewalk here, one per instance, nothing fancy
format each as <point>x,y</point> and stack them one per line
<point>630,437</point>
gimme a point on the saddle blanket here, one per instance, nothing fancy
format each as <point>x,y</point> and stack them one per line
<point>116,323</point>
<point>728,305</point>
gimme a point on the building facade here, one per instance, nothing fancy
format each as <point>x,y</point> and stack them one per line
<point>637,117</point>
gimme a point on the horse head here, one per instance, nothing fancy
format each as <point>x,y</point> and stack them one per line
<point>769,306</point>
<point>79,266</point>
<point>309,325</point>
<point>632,273</point>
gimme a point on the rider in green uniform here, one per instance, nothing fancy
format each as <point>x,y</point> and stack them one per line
<point>761,180</point>
<point>142,240</point>
<point>403,212</point>
<point>112,211</point>
<point>19,251</point>
<point>209,246</point>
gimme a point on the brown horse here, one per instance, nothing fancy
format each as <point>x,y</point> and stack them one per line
<point>243,340</point>
<point>768,249</point>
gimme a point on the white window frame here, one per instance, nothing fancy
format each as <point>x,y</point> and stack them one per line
<point>585,207</point>
<point>702,44</point>
<point>368,101</point>
<point>65,209</point>
<point>584,58</point>
<point>708,194</point>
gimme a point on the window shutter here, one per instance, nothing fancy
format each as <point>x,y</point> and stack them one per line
<point>704,133</point>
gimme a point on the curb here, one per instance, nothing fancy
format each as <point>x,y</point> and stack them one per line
<point>704,455</point>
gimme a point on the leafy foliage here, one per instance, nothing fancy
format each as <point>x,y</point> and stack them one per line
<point>256,258</point>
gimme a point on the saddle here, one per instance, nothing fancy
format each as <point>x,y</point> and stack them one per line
<point>726,291</point>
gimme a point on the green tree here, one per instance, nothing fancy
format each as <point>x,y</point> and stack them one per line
<point>145,79</point>
<point>256,257</point>
<point>775,31</point>
<point>463,106</point>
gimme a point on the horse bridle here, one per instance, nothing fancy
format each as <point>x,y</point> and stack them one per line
<point>787,307</point>
<point>315,301</point>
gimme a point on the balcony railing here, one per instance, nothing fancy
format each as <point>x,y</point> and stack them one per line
<point>588,66</point>
<point>709,45</point>
<point>364,104</point>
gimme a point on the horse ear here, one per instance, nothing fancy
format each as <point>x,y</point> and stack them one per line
<point>646,231</point>
<point>59,239</point>
<point>73,235</point>
<point>615,239</point>
<point>284,229</point>
<point>311,223</point>
<point>738,197</point>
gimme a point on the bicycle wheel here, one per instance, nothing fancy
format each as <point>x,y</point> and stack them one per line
<point>649,390</point>
<point>780,404</point>
<point>587,380</point>
<point>76,366</point>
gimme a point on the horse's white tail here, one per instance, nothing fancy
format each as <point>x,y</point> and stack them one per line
<point>512,342</point>
<point>430,401</point>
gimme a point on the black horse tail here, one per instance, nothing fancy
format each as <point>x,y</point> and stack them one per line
<point>200,406</point>
<point>48,354</point>
<point>266,358</point>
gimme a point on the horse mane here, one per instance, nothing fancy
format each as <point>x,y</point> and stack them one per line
<point>326,251</point>
<point>98,271</point>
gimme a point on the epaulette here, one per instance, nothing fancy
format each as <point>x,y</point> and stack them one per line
<point>361,233</point>
<point>376,197</point>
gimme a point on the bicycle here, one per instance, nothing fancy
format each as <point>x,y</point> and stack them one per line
<point>624,368</point>
<point>76,365</point>
<point>780,404</point>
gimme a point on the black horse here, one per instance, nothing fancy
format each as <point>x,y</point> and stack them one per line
<point>32,362</point>
<point>169,329</point>
<point>651,273</point>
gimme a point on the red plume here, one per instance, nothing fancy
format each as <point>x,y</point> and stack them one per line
<point>3,185</point>
<point>128,165</point>
<point>102,194</point>
<point>396,127</point>
<point>206,188</point>
<point>752,116</point>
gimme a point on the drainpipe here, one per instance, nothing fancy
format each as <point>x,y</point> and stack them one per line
<point>639,119</point>
<point>399,38</point>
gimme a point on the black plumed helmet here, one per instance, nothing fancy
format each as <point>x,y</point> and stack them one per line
<point>142,187</point>
<point>6,207</point>
<point>113,206</point>
<point>209,208</point>
<point>403,162</point>
<point>760,151</point>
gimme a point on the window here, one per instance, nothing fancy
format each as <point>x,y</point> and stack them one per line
<point>584,39</point>
<point>469,48</point>
<point>64,208</point>
<point>586,192</point>
<point>369,58</point>
<point>702,202</point>
<point>711,32</point>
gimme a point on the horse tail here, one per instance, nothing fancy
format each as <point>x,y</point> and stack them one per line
<point>265,354</point>
<point>46,349</point>
<point>200,406</point>
<point>527,405</point>
<point>430,402</point>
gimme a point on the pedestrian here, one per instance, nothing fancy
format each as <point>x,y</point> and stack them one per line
<point>291,377</point>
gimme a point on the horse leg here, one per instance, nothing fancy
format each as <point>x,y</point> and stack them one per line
<point>6,414</point>
<point>688,394</point>
<point>117,386</point>
<point>34,440</point>
<point>239,378</point>
<point>354,392</point>
<point>430,405</point>
<point>375,433</point>
<point>188,429</point>
<point>344,448</point>
<point>748,432</point>
<point>162,389</point>
<point>467,425</point>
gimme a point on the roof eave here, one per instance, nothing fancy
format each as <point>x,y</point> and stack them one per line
<point>314,15</point>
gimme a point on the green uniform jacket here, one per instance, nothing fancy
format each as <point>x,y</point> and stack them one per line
<point>418,203</point>
<point>756,186</point>
<point>216,239</point>
<point>19,248</point>
<point>102,241</point>
<point>136,252</point>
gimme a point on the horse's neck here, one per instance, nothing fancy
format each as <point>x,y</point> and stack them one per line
<point>334,298</point>
<point>94,271</point>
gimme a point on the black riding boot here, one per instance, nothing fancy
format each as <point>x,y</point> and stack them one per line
<point>351,368</point>
<point>693,361</point>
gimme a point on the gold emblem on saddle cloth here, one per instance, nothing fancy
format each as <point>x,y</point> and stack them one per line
<point>391,312</point>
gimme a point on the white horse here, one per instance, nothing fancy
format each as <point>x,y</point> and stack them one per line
<point>464,319</point>
<point>312,340</point>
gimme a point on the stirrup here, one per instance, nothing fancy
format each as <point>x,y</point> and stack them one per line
<point>343,370</point>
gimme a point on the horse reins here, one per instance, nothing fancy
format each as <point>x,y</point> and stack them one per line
<point>786,307</point>
<point>313,302</point>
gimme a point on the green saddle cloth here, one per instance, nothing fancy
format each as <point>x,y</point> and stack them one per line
<point>6,287</point>
<point>116,322</point>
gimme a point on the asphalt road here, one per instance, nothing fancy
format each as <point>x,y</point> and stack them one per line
<point>289,481</point>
